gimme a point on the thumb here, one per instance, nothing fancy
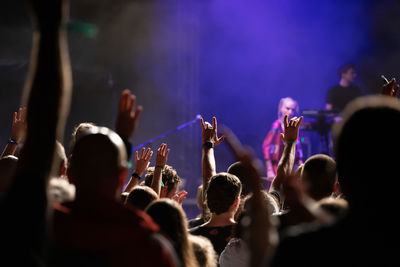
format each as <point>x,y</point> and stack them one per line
<point>283,137</point>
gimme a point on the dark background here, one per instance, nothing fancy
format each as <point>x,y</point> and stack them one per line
<point>230,59</point>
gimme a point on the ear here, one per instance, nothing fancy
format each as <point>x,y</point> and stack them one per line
<point>236,203</point>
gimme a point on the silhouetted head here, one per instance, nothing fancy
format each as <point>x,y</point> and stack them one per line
<point>242,173</point>
<point>141,196</point>
<point>171,218</point>
<point>223,192</point>
<point>367,152</point>
<point>319,176</point>
<point>81,127</point>
<point>98,161</point>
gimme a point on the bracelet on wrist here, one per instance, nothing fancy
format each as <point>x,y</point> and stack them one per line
<point>12,141</point>
<point>161,168</point>
<point>208,144</point>
<point>135,175</point>
<point>290,142</point>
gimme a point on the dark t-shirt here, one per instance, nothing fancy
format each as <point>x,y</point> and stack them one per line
<point>339,96</point>
<point>219,236</point>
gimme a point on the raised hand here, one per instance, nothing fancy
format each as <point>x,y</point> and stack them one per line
<point>142,161</point>
<point>291,129</point>
<point>18,128</point>
<point>162,156</point>
<point>180,196</point>
<point>127,115</point>
<point>209,132</point>
<point>390,88</point>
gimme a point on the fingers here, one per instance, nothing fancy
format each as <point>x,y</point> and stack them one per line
<point>19,114</point>
<point>299,121</point>
<point>219,140</point>
<point>207,125</point>
<point>396,90</point>
<point>148,154</point>
<point>136,155</point>
<point>285,121</point>
<point>15,117</point>
<point>203,127</point>
<point>163,151</point>
<point>123,100</point>
<point>214,125</point>
<point>295,122</point>
<point>138,112</point>
<point>130,103</point>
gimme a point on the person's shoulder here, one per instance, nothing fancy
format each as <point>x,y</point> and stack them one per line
<point>210,230</point>
<point>335,87</point>
<point>276,124</point>
<point>197,230</point>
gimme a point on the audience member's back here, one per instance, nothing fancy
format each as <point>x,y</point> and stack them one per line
<point>368,176</point>
<point>222,197</point>
<point>96,229</point>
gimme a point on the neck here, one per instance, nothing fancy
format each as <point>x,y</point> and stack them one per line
<point>99,192</point>
<point>223,219</point>
<point>344,82</point>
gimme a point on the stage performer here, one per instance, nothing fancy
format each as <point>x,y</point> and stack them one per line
<point>273,145</point>
<point>342,93</point>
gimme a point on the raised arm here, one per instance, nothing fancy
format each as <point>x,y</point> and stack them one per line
<point>210,140</point>
<point>141,164</point>
<point>262,237</point>
<point>47,94</point>
<point>285,166</point>
<point>161,160</point>
<point>18,131</point>
<point>127,118</point>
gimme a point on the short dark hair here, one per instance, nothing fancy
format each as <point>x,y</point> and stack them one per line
<point>141,196</point>
<point>345,68</point>
<point>319,172</point>
<point>223,189</point>
<point>169,177</point>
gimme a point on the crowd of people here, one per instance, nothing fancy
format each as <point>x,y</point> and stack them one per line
<point>76,210</point>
